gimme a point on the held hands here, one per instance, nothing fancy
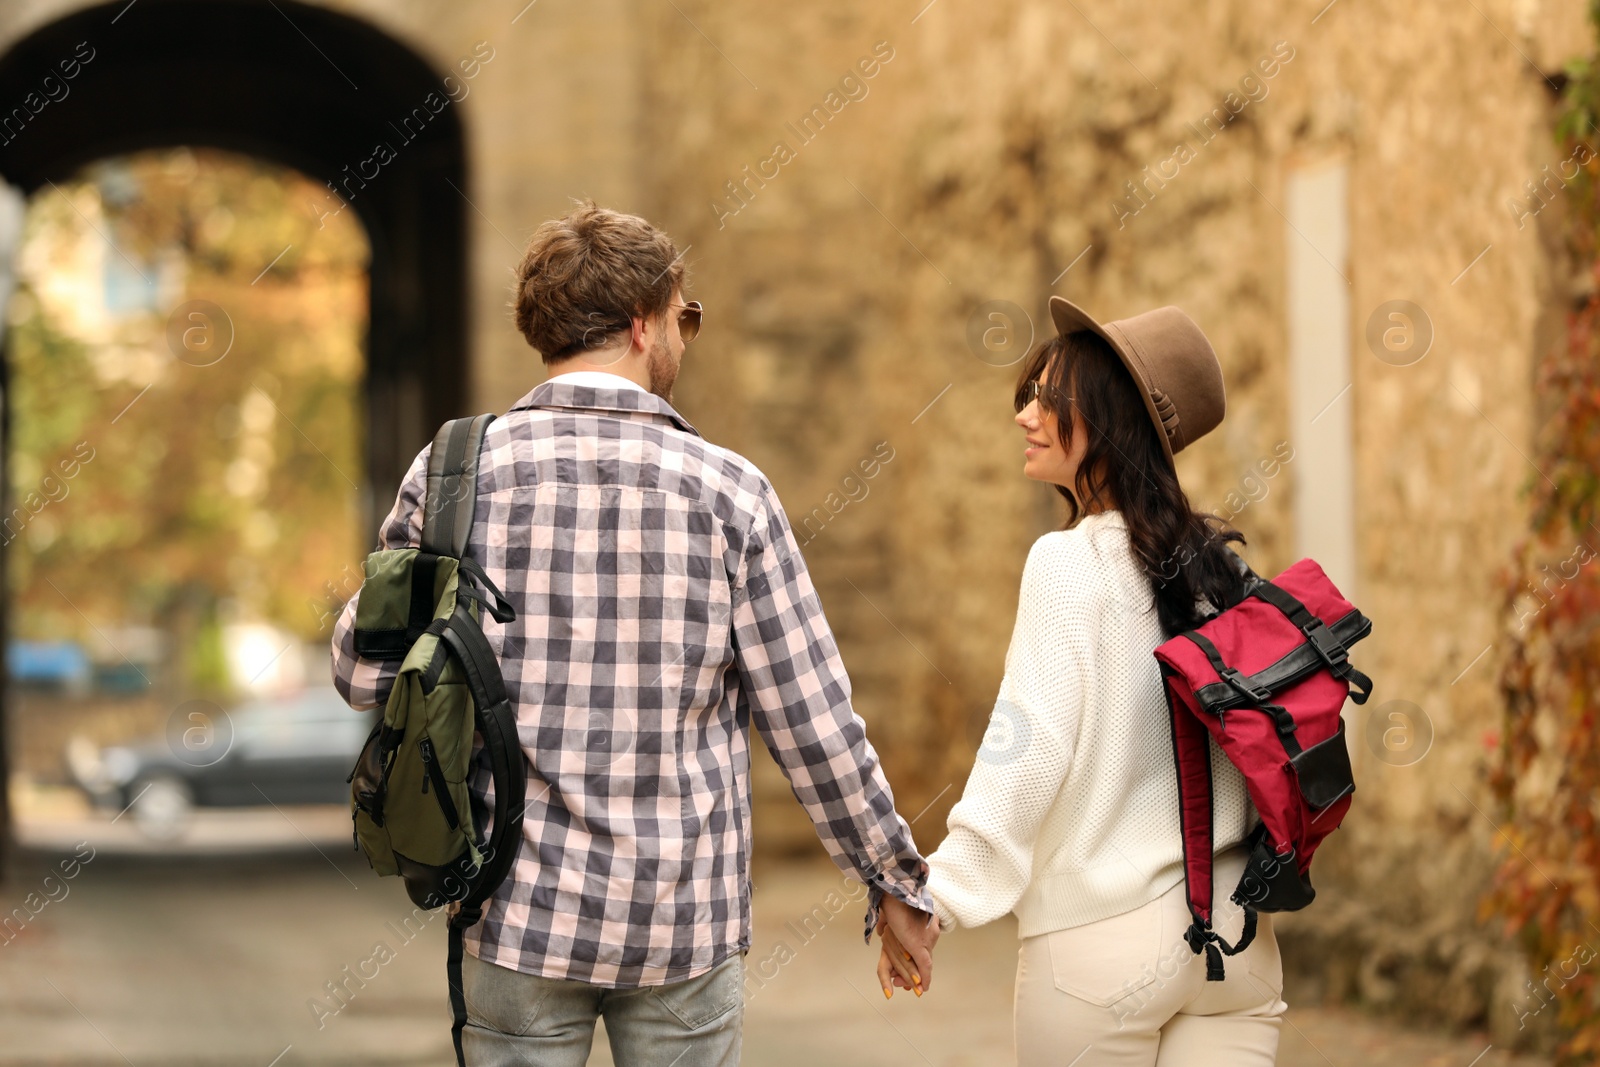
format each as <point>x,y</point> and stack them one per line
<point>894,966</point>
<point>905,957</point>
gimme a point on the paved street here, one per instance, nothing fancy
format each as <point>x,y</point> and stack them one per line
<point>161,960</point>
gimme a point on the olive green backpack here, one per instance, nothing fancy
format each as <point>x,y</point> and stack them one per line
<point>414,813</point>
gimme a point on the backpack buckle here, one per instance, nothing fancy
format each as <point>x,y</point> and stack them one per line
<point>1329,647</point>
<point>1240,683</point>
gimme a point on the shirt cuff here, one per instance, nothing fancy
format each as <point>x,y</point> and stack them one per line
<point>911,890</point>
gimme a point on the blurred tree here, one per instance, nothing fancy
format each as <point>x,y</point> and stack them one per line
<point>1547,776</point>
<point>185,357</point>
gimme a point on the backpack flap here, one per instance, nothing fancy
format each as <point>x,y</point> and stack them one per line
<point>399,598</point>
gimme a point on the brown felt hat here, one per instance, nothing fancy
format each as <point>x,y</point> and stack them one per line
<point>1174,364</point>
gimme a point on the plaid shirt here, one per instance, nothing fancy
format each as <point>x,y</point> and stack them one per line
<point>662,607</point>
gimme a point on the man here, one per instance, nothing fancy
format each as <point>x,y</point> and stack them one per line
<point>662,607</point>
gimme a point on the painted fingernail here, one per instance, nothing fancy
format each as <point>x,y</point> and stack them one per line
<point>886,993</point>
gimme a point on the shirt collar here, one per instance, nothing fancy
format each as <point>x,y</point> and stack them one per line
<point>608,392</point>
<point>599,379</point>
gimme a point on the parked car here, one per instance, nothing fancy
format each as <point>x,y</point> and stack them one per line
<point>293,750</point>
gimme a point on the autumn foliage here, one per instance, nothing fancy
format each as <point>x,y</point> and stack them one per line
<point>185,361</point>
<point>1547,775</point>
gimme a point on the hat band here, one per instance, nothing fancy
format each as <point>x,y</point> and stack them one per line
<point>1168,412</point>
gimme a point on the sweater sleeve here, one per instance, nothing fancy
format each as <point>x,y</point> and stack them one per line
<point>985,863</point>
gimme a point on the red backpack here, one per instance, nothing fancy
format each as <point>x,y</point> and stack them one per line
<point>1268,678</point>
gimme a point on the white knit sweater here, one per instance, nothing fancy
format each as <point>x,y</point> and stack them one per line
<point>1070,813</point>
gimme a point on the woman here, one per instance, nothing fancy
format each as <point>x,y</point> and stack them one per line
<point>1070,815</point>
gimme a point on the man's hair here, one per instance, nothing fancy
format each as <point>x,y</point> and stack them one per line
<point>586,275</point>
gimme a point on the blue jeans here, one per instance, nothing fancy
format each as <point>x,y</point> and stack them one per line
<point>516,1019</point>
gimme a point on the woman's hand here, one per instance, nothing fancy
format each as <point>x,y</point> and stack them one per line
<point>896,968</point>
<point>915,932</point>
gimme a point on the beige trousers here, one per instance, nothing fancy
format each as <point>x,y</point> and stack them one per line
<point>1127,990</point>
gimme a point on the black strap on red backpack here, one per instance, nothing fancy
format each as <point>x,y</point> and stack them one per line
<point>1266,679</point>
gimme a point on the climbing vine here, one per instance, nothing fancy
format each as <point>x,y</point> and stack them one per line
<point>1546,776</point>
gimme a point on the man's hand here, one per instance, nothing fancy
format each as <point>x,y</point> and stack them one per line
<point>916,930</point>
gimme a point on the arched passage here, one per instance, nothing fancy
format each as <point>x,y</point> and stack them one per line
<point>303,86</point>
<point>299,85</point>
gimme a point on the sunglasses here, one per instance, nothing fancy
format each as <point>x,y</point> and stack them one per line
<point>689,319</point>
<point>1032,390</point>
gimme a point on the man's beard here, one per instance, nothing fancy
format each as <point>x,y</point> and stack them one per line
<point>663,371</point>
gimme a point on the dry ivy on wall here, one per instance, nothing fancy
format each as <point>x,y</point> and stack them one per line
<point>1547,774</point>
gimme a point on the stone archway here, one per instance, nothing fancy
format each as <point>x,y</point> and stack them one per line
<point>299,85</point>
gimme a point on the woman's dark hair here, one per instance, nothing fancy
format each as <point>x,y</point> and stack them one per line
<point>1183,552</point>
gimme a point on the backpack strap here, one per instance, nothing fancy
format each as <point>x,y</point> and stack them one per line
<point>1193,760</point>
<point>492,599</point>
<point>1201,936</point>
<point>452,491</point>
<point>1191,748</point>
<point>452,969</point>
<point>497,722</point>
<point>452,488</point>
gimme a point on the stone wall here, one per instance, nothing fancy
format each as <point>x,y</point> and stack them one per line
<point>985,160</point>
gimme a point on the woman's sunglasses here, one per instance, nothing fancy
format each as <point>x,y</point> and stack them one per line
<point>1031,391</point>
<point>689,319</point>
